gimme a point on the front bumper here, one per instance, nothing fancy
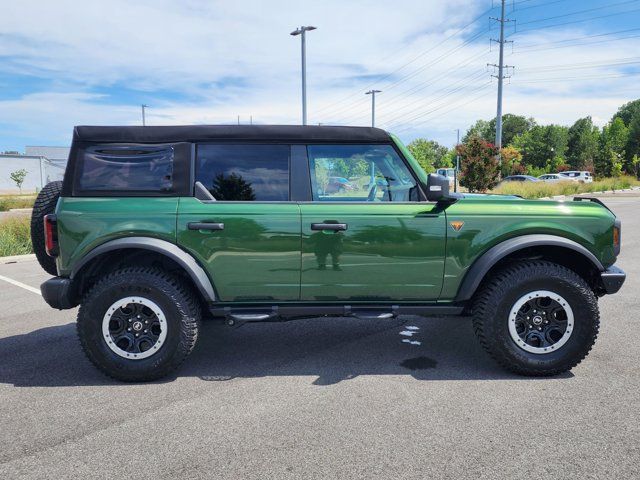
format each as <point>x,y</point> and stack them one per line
<point>57,293</point>
<point>612,279</point>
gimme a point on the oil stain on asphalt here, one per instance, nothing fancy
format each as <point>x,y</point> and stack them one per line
<point>419,363</point>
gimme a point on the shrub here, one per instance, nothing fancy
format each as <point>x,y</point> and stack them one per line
<point>548,189</point>
<point>480,167</point>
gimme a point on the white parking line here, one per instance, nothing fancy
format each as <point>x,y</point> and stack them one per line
<point>20,284</point>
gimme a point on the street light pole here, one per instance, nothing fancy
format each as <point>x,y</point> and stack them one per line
<point>373,105</point>
<point>144,120</point>
<point>302,31</point>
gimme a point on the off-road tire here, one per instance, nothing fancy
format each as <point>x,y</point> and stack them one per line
<point>44,205</point>
<point>178,304</point>
<point>499,293</point>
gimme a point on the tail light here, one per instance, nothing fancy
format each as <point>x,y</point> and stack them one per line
<point>616,237</point>
<point>51,235</point>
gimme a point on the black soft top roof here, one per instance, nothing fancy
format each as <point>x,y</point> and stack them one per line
<point>192,133</point>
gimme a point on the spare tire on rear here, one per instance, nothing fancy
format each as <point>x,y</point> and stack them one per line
<point>44,205</point>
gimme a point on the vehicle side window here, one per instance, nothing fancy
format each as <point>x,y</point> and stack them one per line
<point>244,172</point>
<point>127,168</point>
<point>360,173</point>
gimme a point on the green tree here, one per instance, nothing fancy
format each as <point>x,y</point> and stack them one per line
<point>231,187</point>
<point>612,143</point>
<point>633,144</point>
<point>629,113</point>
<point>512,126</point>
<point>479,165</point>
<point>480,129</point>
<point>355,166</point>
<point>582,147</point>
<point>18,177</point>
<point>430,154</point>
<point>635,164</point>
<point>543,147</point>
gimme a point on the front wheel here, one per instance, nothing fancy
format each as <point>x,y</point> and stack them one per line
<point>536,318</point>
<point>138,324</point>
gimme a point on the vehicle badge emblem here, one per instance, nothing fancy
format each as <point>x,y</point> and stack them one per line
<point>456,225</point>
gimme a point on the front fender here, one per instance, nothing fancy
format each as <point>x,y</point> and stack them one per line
<point>491,257</point>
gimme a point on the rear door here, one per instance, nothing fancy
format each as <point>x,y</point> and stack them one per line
<point>248,239</point>
<point>371,239</point>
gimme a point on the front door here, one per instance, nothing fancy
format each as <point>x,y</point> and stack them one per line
<point>248,239</point>
<point>366,236</point>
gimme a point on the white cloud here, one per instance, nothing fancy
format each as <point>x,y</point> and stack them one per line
<point>206,62</point>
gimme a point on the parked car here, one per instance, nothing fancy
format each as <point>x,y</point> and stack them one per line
<point>555,177</point>
<point>580,176</point>
<point>520,178</point>
<point>338,184</point>
<point>156,228</point>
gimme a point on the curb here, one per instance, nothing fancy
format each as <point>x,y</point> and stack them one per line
<point>17,258</point>
<point>21,210</point>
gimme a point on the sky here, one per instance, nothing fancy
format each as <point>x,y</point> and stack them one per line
<point>89,62</point>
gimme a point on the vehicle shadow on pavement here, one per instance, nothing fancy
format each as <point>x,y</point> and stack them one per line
<point>329,350</point>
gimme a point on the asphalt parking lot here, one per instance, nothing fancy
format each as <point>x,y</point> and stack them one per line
<point>342,398</point>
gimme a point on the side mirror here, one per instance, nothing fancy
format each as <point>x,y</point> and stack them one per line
<point>437,188</point>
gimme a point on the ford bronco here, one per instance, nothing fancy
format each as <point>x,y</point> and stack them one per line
<point>155,228</point>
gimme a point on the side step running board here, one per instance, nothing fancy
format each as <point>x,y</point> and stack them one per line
<point>249,313</point>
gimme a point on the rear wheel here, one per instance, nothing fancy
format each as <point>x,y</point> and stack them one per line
<point>44,205</point>
<point>138,324</point>
<point>536,318</point>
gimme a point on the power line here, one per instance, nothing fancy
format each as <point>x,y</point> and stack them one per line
<point>453,107</point>
<point>581,77</point>
<point>461,29</point>
<point>579,44</point>
<point>545,4</point>
<point>475,76</point>
<point>582,65</point>
<point>579,12</point>
<point>416,72</point>
<point>575,21</point>
<point>433,80</point>
<point>444,104</point>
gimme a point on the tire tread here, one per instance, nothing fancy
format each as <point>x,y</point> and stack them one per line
<point>181,294</point>
<point>486,302</point>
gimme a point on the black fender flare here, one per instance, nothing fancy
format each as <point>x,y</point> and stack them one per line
<point>483,264</point>
<point>170,250</point>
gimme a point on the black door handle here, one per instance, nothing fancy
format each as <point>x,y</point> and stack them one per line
<point>205,226</point>
<point>335,227</point>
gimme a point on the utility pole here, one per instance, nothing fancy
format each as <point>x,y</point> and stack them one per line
<point>501,75</point>
<point>144,120</point>
<point>302,32</point>
<point>373,105</point>
<point>455,173</point>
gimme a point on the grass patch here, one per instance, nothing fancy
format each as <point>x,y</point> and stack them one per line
<point>16,201</point>
<point>549,189</point>
<point>15,238</point>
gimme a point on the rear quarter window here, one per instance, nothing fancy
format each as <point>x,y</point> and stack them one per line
<point>117,169</point>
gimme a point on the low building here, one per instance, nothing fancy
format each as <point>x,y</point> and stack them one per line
<point>43,165</point>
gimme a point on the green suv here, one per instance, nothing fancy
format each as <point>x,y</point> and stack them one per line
<point>155,228</point>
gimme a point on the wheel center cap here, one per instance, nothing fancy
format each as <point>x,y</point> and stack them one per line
<point>537,320</point>
<point>137,326</point>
